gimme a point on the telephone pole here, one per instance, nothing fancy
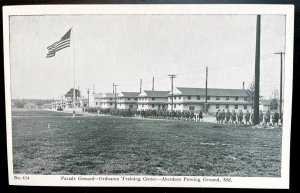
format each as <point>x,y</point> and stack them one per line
<point>115,91</point>
<point>172,76</point>
<point>257,72</point>
<point>280,98</point>
<point>88,92</point>
<point>206,110</point>
<point>113,87</point>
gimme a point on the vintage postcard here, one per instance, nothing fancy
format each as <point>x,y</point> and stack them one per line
<point>149,95</point>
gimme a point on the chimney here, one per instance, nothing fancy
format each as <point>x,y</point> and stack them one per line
<point>243,85</point>
<point>153,83</point>
<point>140,85</point>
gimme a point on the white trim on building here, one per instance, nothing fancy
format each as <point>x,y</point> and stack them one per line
<point>217,99</point>
<point>153,100</point>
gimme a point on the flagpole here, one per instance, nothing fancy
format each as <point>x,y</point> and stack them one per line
<point>74,91</point>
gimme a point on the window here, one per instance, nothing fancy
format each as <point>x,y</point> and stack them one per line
<point>135,99</point>
<point>227,98</point>
<point>96,103</point>
<point>189,97</point>
<point>110,104</point>
<point>174,98</point>
<point>198,97</point>
<point>245,98</point>
<point>128,99</point>
<point>158,106</point>
<point>226,106</point>
<point>208,106</point>
<point>208,97</point>
<point>142,105</point>
<point>217,106</point>
<point>236,106</point>
<point>110,98</point>
<point>153,105</point>
<point>163,106</point>
<point>130,106</point>
<point>192,108</point>
<point>217,98</point>
<point>153,98</point>
<point>174,105</point>
<point>236,98</point>
<point>179,98</point>
<point>245,106</point>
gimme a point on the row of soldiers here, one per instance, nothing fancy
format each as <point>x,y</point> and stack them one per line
<point>148,113</point>
<point>221,116</point>
<point>267,118</point>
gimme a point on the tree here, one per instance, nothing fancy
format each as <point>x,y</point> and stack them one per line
<point>70,94</point>
<point>274,104</point>
<point>19,104</point>
<point>251,90</point>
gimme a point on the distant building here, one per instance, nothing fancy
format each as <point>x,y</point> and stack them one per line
<point>128,100</point>
<point>84,102</point>
<point>96,100</point>
<point>47,106</point>
<point>30,106</point>
<point>108,100</point>
<point>265,105</point>
<point>193,99</point>
<point>153,100</point>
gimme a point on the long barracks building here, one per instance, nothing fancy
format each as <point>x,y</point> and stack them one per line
<point>184,99</point>
<point>217,99</point>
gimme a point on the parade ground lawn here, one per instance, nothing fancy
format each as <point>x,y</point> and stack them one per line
<point>131,146</point>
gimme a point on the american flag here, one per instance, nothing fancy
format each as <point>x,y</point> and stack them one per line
<point>64,42</point>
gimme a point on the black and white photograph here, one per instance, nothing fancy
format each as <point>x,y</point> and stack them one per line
<point>149,95</point>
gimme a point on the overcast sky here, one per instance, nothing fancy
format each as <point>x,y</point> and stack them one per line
<point>125,48</point>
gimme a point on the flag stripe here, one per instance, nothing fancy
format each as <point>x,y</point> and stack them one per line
<point>64,42</point>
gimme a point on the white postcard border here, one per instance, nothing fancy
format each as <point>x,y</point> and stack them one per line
<point>237,182</point>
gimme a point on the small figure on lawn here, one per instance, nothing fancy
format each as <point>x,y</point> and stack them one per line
<point>200,116</point>
<point>228,115</point>
<point>240,117</point>
<point>275,118</point>
<point>233,117</point>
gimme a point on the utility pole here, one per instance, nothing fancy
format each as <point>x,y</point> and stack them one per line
<point>257,72</point>
<point>172,76</point>
<point>206,110</point>
<point>115,91</point>
<point>153,83</point>
<point>88,92</point>
<point>280,98</point>
<point>113,87</point>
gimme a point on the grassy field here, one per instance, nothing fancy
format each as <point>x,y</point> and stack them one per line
<point>124,146</point>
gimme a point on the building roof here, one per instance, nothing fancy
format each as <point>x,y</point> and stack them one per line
<point>97,95</point>
<point>129,94</point>
<point>150,93</point>
<point>109,95</point>
<point>211,91</point>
